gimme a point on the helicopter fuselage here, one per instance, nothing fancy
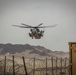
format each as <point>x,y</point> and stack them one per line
<point>36,33</point>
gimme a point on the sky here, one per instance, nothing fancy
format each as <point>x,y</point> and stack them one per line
<point>34,12</point>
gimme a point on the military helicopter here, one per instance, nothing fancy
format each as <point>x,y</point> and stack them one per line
<point>35,32</point>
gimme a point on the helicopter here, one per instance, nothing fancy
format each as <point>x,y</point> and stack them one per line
<point>35,32</point>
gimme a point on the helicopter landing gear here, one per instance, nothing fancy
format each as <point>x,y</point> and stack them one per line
<point>31,35</point>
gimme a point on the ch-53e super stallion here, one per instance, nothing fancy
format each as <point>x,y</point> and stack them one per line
<point>35,31</point>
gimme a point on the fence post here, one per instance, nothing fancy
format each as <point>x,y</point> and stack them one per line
<point>52,66</point>
<point>34,67</point>
<point>5,66</point>
<point>61,65</point>
<point>46,65</point>
<point>13,66</point>
<point>24,65</point>
<point>65,65</point>
<point>56,64</point>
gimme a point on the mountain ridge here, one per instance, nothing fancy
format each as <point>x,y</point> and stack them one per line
<point>29,50</point>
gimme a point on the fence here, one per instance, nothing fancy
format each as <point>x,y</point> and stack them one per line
<point>35,66</point>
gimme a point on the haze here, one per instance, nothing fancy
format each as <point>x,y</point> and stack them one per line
<point>34,12</point>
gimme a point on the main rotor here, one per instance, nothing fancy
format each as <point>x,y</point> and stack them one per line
<point>38,26</point>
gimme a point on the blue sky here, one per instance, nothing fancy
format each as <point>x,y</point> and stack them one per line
<point>34,12</point>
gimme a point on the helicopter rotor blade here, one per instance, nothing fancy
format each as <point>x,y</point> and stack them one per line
<point>40,24</point>
<point>21,26</point>
<point>50,26</point>
<point>26,25</point>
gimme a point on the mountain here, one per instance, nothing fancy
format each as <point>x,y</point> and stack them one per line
<point>29,51</point>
